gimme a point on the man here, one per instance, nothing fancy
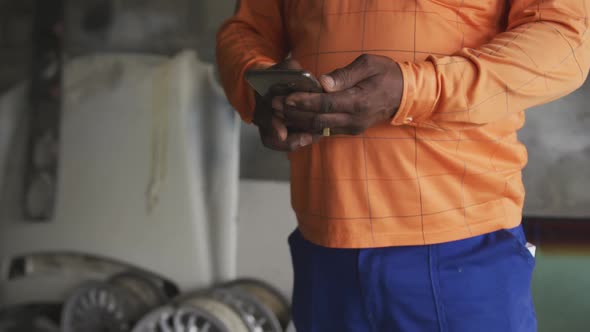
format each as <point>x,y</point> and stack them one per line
<point>409,206</point>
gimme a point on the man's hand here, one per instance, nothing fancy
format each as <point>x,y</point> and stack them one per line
<point>272,128</point>
<point>364,93</point>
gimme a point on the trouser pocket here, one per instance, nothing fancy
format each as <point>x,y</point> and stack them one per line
<point>525,248</point>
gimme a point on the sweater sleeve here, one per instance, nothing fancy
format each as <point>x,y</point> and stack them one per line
<point>543,55</point>
<point>253,38</point>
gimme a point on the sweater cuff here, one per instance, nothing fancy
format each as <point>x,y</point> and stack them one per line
<point>419,96</point>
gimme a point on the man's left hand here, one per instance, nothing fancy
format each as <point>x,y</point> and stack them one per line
<point>366,92</point>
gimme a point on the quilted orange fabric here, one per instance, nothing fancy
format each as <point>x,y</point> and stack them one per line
<point>448,166</point>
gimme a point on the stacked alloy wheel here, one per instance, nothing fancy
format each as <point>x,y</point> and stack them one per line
<point>241,306</point>
<point>111,306</point>
<point>266,295</point>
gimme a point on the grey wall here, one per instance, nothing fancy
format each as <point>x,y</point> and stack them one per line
<point>557,177</point>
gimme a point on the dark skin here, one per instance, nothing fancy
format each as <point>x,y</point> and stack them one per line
<point>365,93</point>
<point>271,125</point>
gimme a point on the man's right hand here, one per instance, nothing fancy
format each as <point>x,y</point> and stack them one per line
<point>273,131</point>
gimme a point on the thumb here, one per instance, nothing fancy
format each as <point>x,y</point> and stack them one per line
<point>347,77</point>
<point>279,129</point>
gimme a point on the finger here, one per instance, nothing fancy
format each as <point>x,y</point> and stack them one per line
<point>298,140</point>
<point>279,129</point>
<point>346,101</point>
<point>278,103</point>
<point>277,106</point>
<point>344,78</point>
<point>339,123</point>
<point>280,115</point>
<point>293,142</point>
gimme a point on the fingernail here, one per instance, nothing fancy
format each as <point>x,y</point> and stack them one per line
<point>290,103</point>
<point>328,81</point>
<point>305,140</point>
<point>282,135</point>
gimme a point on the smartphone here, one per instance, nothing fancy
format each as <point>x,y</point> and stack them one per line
<point>284,80</point>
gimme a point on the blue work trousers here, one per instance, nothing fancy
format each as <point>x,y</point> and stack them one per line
<point>480,284</point>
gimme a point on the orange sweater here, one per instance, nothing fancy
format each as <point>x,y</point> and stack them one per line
<point>448,166</point>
